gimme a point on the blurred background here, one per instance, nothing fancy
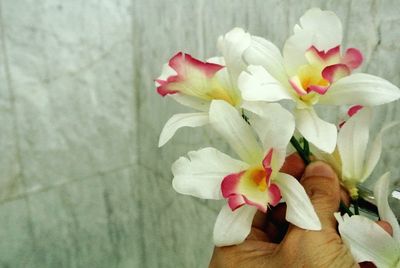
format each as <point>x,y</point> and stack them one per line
<point>82,182</point>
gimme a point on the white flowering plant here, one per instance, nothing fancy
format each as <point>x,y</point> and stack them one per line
<point>239,95</point>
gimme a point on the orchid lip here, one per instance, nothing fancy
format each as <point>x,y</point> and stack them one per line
<point>189,76</point>
<point>251,187</point>
<point>323,69</point>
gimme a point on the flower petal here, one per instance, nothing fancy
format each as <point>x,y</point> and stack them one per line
<point>376,149</point>
<point>300,211</point>
<point>368,241</point>
<point>294,51</point>
<point>256,84</point>
<point>265,53</point>
<point>320,133</point>
<point>273,124</point>
<point>229,85</point>
<point>195,78</point>
<point>295,82</point>
<point>217,60</point>
<point>236,201</point>
<point>182,63</point>
<point>187,75</point>
<point>232,227</point>
<point>245,184</point>
<point>323,58</point>
<point>321,29</point>
<point>325,27</point>
<point>232,46</point>
<point>381,192</point>
<point>181,120</point>
<point>352,144</point>
<point>191,102</point>
<point>166,72</point>
<point>318,89</point>
<point>352,58</point>
<point>334,72</point>
<point>195,102</point>
<point>354,109</point>
<point>362,89</point>
<point>275,194</point>
<point>202,172</point>
<point>231,126</point>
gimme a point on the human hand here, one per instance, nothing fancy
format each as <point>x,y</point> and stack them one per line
<point>273,242</point>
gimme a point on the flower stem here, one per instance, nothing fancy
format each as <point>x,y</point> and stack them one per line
<point>304,153</point>
<point>355,204</point>
<point>345,209</point>
<point>306,147</point>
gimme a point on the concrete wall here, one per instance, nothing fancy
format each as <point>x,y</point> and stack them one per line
<point>82,182</point>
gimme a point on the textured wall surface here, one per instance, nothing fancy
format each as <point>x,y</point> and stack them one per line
<point>82,182</point>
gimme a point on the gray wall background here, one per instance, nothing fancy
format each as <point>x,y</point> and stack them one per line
<point>82,182</point>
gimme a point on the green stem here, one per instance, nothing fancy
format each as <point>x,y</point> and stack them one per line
<point>355,204</point>
<point>300,150</point>
<point>306,147</point>
<point>345,209</point>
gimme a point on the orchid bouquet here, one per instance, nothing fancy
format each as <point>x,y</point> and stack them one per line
<point>239,94</point>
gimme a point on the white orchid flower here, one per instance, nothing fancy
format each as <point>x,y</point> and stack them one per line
<point>195,84</point>
<point>367,240</point>
<point>252,183</point>
<point>312,70</point>
<point>353,159</point>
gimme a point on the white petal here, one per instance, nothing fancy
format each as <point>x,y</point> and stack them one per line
<point>376,149</point>
<point>228,84</point>
<point>265,53</point>
<point>191,102</point>
<point>297,28</point>
<point>273,124</point>
<point>231,126</point>
<point>325,27</point>
<point>321,29</point>
<point>232,46</point>
<point>381,192</point>
<point>300,211</point>
<point>294,51</point>
<point>352,144</point>
<point>217,60</point>
<point>181,120</point>
<point>256,84</point>
<point>368,241</point>
<point>201,174</point>
<point>362,89</point>
<point>232,227</point>
<point>318,132</point>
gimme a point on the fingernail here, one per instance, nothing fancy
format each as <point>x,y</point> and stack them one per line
<point>319,169</point>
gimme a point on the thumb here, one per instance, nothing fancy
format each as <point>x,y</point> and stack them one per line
<point>322,186</point>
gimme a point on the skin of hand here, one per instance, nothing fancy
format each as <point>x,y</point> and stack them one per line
<point>273,242</point>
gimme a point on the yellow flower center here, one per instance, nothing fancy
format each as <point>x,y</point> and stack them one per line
<point>256,177</point>
<point>311,75</point>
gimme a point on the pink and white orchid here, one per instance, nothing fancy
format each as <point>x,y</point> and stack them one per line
<point>367,240</point>
<point>195,83</point>
<point>313,69</point>
<point>252,183</point>
<point>351,159</point>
